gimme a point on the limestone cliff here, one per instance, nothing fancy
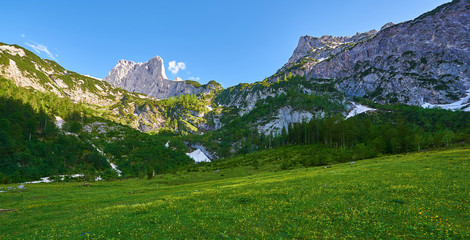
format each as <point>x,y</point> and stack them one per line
<point>149,78</point>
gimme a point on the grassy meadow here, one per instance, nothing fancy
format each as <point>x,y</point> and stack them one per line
<point>423,195</point>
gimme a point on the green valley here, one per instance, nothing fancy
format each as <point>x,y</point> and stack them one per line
<point>422,195</point>
<point>363,136</point>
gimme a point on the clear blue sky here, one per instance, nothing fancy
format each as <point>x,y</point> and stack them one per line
<point>226,41</point>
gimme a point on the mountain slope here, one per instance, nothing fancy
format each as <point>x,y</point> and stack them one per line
<point>35,142</point>
<point>423,60</point>
<point>139,111</point>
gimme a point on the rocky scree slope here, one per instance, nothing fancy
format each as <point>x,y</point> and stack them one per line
<point>425,60</point>
<point>149,78</point>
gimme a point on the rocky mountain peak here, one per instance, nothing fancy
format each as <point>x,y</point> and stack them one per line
<point>149,78</point>
<point>323,47</point>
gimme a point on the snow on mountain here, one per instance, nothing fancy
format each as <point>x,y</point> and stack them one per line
<point>358,109</point>
<point>463,104</point>
<point>198,156</point>
<point>59,122</point>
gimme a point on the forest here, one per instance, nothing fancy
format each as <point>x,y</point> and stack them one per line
<point>31,145</point>
<point>391,129</point>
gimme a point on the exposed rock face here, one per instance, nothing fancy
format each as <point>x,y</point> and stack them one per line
<point>285,116</point>
<point>149,78</point>
<point>423,60</point>
<point>326,46</point>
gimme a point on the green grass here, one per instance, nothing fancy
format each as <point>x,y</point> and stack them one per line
<point>424,195</point>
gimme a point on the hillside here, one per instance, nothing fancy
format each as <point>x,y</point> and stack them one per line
<point>422,62</point>
<point>37,143</point>
<point>356,97</point>
<point>422,195</point>
<point>136,110</point>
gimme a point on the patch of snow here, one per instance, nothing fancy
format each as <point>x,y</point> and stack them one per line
<point>59,122</point>
<point>198,156</point>
<point>43,180</point>
<point>13,50</point>
<point>463,104</point>
<point>71,134</point>
<point>209,155</point>
<point>322,59</point>
<point>77,175</point>
<point>113,166</point>
<point>358,109</point>
<point>48,180</point>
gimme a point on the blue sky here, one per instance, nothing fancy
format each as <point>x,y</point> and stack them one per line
<point>226,41</point>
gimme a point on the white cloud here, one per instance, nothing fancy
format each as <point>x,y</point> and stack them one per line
<point>175,67</point>
<point>22,35</point>
<point>194,78</point>
<point>41,48</point>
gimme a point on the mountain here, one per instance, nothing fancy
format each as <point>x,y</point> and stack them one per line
<point>58,122</point>
<point>149,78</point>
<point>425,60</point>
<point>313,99</point>
<point>181,114</point>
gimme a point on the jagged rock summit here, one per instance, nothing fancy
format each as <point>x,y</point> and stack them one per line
<point>322,48</point>
<point>149,78</point>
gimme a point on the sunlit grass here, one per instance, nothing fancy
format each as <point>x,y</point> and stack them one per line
<point>423,195</point>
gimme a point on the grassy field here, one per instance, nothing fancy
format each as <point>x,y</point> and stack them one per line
<point>423,195</point>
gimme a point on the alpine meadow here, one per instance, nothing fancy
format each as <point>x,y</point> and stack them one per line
<point>364,136</point>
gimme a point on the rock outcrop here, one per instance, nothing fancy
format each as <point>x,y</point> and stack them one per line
<point>322,48</point>
<point>149,78</point>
